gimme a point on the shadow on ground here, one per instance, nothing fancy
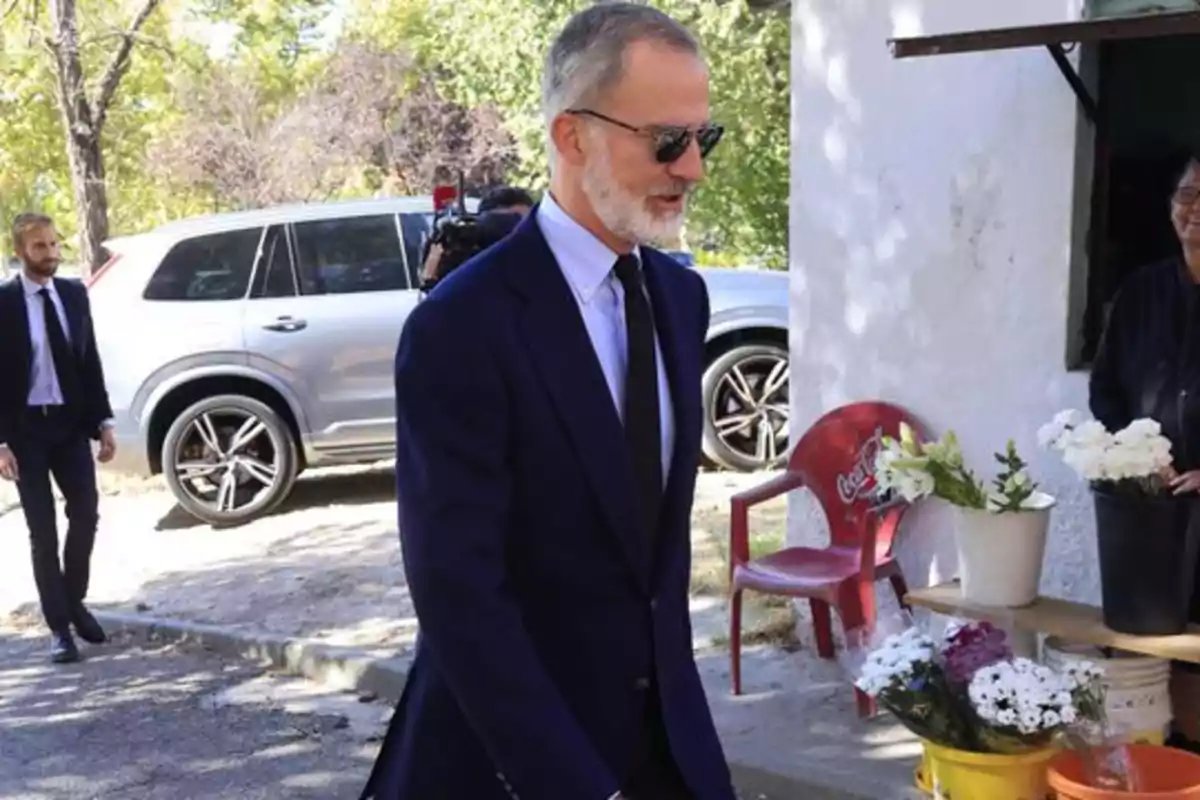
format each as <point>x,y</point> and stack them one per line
<point>312,491</point>
<point>144,724</point>
<point>339,581</point>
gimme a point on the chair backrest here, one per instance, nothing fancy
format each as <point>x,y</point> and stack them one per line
<point>836,460</point>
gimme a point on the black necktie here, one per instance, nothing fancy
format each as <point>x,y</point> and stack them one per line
<point>60,350</point>
<point>642,427</point>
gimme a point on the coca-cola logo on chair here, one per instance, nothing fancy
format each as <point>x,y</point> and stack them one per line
<point>859,482</point>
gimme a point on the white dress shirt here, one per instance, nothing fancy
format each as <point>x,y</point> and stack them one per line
<point>587,263</point>
<point>43,380</point>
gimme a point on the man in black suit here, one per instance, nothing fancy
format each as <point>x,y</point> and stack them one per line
<point>548,423</point>
<point>53,403</point>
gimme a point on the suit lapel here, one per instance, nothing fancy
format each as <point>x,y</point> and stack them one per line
<point>557,340</point>
<point>682,361</point>
<point>22,344</point>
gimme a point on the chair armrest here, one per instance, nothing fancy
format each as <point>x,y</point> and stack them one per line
<point>739,513</point>
<point>773,488</point>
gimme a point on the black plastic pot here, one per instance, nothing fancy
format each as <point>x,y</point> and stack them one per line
<point>1148,548</point>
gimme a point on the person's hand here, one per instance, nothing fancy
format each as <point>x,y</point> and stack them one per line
<point>8,464</point>
<point>1187,483</point>
<point>108,446</point>
<point>432,262</point>
<point>1168,474</point>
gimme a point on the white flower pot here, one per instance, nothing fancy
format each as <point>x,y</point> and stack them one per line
<point>1000,555</point>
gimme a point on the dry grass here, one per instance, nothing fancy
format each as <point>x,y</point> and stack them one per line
<point>767,619</point>
<point>109,483</point>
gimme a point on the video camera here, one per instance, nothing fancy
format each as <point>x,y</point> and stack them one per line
<point>460,233</point>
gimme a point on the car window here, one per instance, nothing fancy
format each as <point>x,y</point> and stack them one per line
<point>354,254</point>
<point>275,276</point>
<point>212,267</point>
<point>416,228</point>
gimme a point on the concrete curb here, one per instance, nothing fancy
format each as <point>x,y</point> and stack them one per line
<point>343,668</point>
<point>352,670</point>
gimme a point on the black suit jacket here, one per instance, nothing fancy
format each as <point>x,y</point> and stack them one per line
<point>16,356</point>
<point>546,614</point>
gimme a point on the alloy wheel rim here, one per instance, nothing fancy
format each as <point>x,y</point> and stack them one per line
<point>751,412</point>
<point>228,460</point>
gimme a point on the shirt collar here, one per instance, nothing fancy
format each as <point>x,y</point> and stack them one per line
<point>33,287</point>
<point>585,261</point>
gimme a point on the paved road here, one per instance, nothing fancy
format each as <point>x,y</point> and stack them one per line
<point>164,723</point>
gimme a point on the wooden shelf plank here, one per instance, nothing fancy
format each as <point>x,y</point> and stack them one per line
<point>1076,622</point>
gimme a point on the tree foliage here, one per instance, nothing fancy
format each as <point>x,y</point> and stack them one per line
<point>491,51</point>
<point>367,122</point>
<point>62,71</point>
<point>281,110</point>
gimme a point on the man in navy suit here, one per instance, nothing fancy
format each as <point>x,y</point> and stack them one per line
<point>548,428</point>
<point>53,403</point>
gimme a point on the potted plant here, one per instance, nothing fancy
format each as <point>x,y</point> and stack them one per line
<point>999,531</point>
<point>1147,537</point>
<point>989,723</point>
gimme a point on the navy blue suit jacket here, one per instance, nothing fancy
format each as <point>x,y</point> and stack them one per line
<point>16,356</point>
<point>545,614</point>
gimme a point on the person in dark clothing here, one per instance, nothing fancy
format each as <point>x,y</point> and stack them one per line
<point>548,422</point>
<point>499,212</point>
<point>53,402</point>
<point>1148,364</point>
<point>491,227</point>
<point>507,198</point>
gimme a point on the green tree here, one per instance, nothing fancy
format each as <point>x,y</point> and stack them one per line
<point>78,58</point>
<point>277,46</point>
<point>491,51</point>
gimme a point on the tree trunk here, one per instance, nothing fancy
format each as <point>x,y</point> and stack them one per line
<point>91,200</point>
<point>83,122</point>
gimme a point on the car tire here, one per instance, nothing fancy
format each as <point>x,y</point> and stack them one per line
<point>745,397</point>
<point>240,479</point>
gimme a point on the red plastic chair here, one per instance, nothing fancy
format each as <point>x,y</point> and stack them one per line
<point>835,460</point>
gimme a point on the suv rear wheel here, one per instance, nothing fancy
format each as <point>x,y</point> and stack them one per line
<point>229,459</point>
<point>746,410</point>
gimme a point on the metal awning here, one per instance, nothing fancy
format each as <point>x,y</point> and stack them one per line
<point>1053,37</point>
<point>1108,29</point>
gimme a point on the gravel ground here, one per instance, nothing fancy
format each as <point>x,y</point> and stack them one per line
<point>325,567</point>
<point>163,723</point>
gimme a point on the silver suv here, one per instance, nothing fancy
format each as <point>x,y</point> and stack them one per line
<point>243,348</point>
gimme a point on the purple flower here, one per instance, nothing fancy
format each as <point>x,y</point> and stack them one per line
<point>972,647</point>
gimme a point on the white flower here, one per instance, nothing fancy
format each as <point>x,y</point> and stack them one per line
<point>1138,451</point>
<point>1022,695</point>
<point>1139,430</point>
<point>903,473</point>
<point>1089,434</point>
<point>894,662</point>
<point>1050,433</point>
<point>1091,463</point>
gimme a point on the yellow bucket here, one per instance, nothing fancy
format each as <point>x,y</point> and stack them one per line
<point>1153,736</point>
<point>959,775</point>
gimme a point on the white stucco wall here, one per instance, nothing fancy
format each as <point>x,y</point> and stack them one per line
<point>932,220</point>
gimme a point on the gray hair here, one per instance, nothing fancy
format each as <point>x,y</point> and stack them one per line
<point>588,56</point>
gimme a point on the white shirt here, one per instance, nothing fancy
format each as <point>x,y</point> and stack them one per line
<point>587,263</point>
<point>43,380</point>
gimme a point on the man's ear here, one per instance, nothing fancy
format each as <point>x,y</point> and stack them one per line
<point>566,131</point>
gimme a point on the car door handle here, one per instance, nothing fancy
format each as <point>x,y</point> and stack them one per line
<point>286,325</point>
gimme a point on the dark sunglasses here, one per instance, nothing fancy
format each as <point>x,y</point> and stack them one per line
<point>670,141</point>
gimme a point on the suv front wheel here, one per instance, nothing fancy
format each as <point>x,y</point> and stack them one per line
<point>746,411</point>
<point>229,459</point>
